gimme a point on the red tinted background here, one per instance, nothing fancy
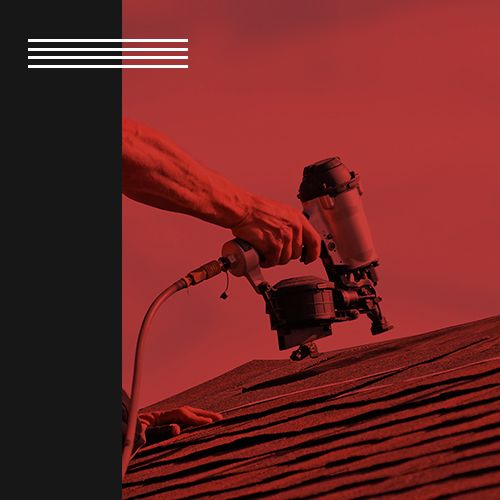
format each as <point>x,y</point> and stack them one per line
<point>405,92</point>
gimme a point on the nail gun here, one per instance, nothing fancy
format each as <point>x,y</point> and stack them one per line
<point>303,309</point>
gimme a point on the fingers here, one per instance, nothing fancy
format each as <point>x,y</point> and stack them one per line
<point>286,250</point>
<point>271,256</point>
<point>189,418</point>
<point>286,243</point>
<point>278,249</point>
<point>185,416</point>
<point>297,242</point>
<point>215,416</point>
<point>278,232</point>
<point>195,416</point>
<point>311,241</point>
<point>161,425</point>
<point>160,433</point>
<point>300,239</point>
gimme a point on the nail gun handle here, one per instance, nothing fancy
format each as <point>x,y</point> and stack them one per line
<point>244,261</point>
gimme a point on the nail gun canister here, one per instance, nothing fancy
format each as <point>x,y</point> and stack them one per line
<point>331,198</point>
<point>301,310</point>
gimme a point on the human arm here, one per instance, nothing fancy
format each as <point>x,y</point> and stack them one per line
<point>158,173</point>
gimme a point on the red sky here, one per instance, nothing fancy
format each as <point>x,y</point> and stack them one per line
<point>405,92</point>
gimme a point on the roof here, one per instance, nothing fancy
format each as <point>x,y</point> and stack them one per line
<point>414,416</point>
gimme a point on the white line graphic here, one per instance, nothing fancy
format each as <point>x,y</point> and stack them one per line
<point>117,53</point>
<point>108,49</point>
<point>99,66</point>
<point>107,57</point>
<point>106,40</point>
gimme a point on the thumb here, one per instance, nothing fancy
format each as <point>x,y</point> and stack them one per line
<point>160,433</point>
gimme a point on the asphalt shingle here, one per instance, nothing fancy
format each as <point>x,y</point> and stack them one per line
<point>416,416</point>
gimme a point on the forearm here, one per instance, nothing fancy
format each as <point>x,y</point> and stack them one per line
<point>158,173</point>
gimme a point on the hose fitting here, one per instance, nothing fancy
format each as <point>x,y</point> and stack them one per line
<point>205,272</point>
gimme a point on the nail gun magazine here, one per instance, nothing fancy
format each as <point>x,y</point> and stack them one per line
<point>270,226</point>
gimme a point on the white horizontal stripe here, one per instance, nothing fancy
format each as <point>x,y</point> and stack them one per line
<point>30,66</point>
<point>107,57</point>
<point>78,40</point>
<point>109,49</point>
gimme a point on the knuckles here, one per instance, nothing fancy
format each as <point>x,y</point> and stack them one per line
<point>278,231</point>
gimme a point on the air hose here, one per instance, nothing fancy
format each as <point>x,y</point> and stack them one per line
<point>200,274</point>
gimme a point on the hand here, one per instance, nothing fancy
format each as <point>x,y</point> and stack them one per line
<point>159,425</point>
<point>278,232</point>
